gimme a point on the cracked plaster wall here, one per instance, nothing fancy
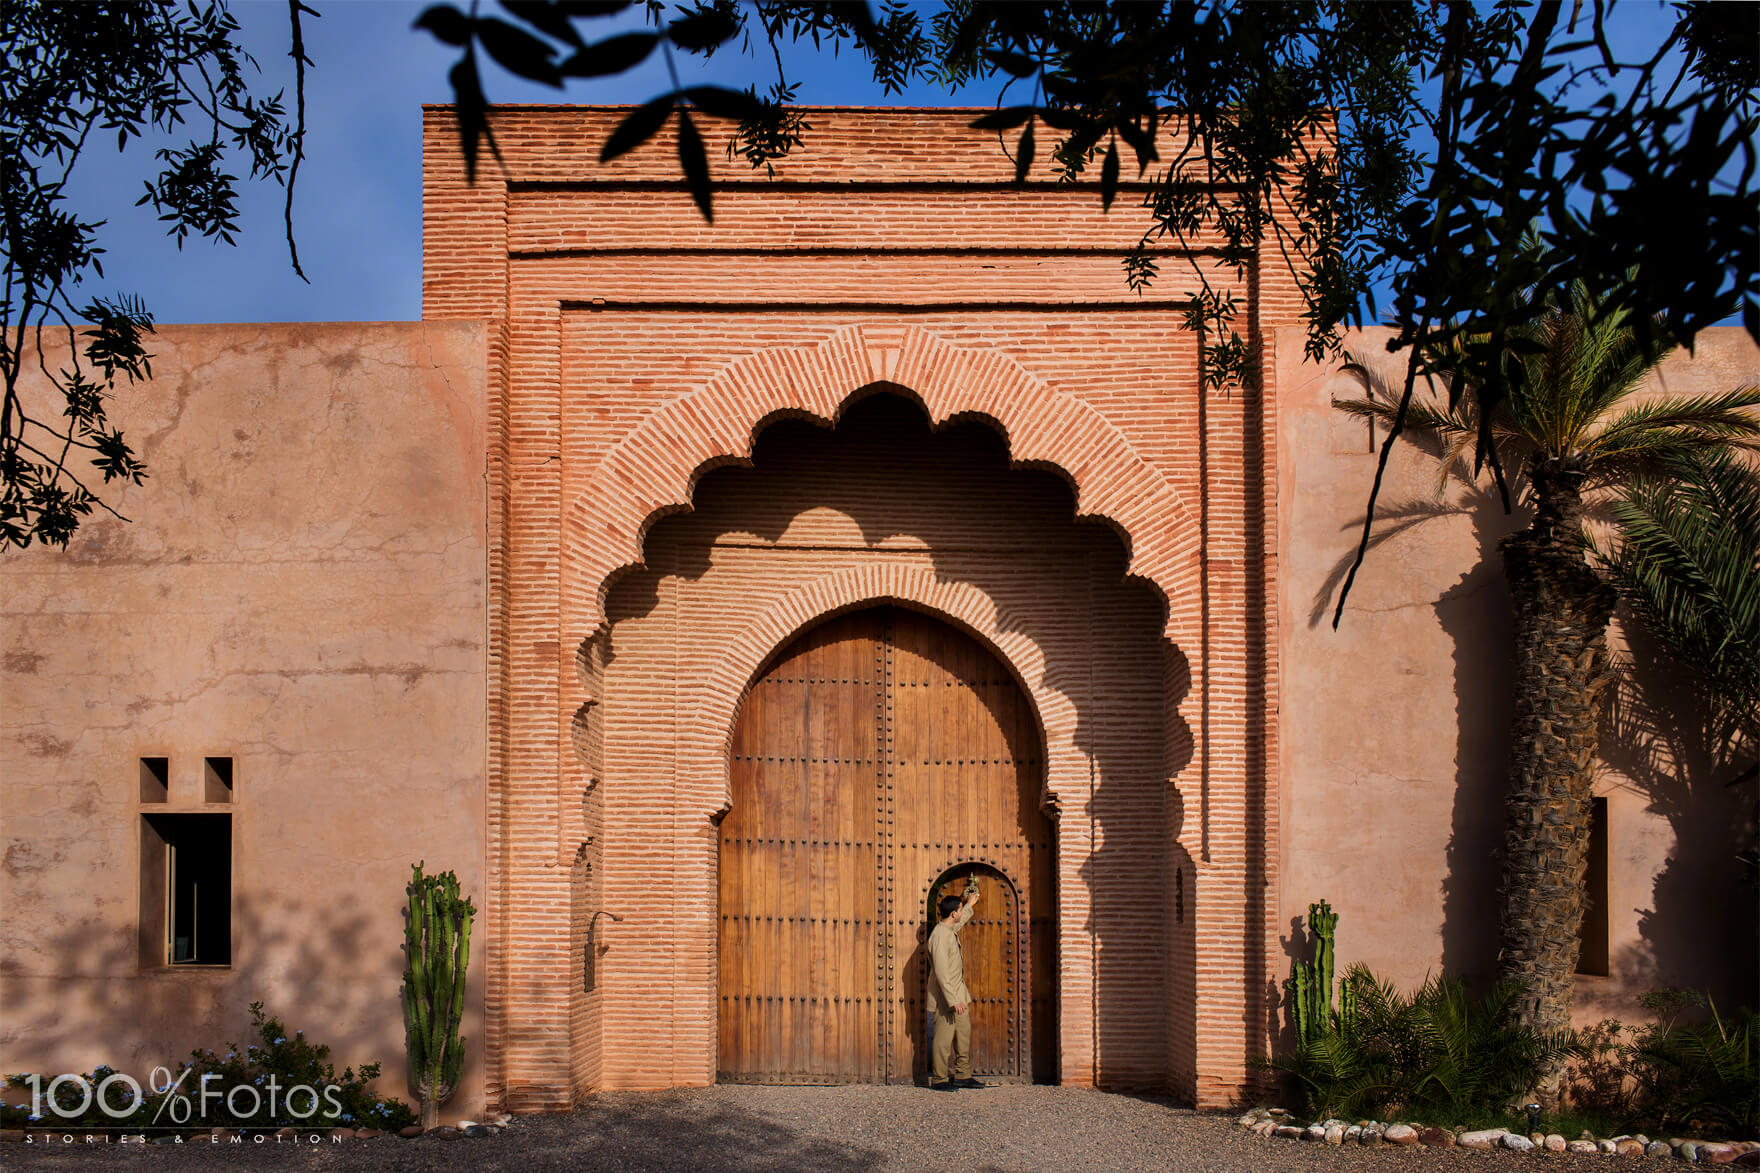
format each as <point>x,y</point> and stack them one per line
<point>302,589</point>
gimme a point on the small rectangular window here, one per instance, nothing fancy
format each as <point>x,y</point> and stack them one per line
<point>155,779</point>
<point>217,779</point>
<point>186,890</point>
<point>1592,959</point>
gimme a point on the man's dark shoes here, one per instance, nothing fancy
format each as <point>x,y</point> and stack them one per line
<point>969,1082</point>
<point>952,1085</point>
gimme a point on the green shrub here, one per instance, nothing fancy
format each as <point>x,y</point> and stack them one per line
<point>278,1061</point>
<point>1439,1055</point>
<point>1596,1084</point>
<point>1697,1075</point>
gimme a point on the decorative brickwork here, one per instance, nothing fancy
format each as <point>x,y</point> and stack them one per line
<point>652,471</point>
<point>639,352</point>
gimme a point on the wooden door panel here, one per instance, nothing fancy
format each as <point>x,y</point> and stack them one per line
<point>799,898</point>
<point>875,751</point>
<point>990,943</point>
<point>967,773</point>
<point>990,964</point>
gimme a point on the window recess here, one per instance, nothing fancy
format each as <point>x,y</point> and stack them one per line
<point>1592,957</point>
<point>186,889</point>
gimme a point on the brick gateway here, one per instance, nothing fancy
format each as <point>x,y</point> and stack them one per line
<point>885,377</point>
<point>510,605</point>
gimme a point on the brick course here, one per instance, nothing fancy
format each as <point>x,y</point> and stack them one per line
<point>637,350</point>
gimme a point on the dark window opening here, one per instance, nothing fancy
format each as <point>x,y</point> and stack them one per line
<point>1592,959</point>
<point>1179,896</point>
<point>186,890</point>
<point>217,779</point>
<point>155,779</point>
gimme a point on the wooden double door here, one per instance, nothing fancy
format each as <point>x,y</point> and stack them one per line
<point>884,757</point>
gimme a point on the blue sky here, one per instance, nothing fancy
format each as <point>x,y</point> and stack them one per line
<point>358,202</point>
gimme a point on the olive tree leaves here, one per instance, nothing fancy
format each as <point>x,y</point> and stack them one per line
<point>765,128</point>
<point>71,76</point>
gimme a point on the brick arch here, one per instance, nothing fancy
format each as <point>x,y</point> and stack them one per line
<point>653,471</point>
<point>706,740</point>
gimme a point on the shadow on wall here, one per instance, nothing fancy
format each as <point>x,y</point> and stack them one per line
<point>883,473</point>
<point>1475,613</point>
<point>1477,616</point>
<point>339,981</point>
<point>1654,734</point>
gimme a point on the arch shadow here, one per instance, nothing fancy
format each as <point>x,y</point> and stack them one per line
<point>1114,738</point>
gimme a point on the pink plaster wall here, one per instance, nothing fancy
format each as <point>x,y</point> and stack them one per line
<point>302,588</point>
<point>1394,728</point>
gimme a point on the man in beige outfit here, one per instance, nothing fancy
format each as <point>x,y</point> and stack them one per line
<point>949,1000</point>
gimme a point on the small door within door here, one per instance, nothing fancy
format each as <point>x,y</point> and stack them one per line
<point>990,943</point>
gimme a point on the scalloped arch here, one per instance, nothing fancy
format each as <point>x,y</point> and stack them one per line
<point>653,470</point>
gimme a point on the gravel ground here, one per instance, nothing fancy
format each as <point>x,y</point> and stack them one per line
<point>771,1129</point>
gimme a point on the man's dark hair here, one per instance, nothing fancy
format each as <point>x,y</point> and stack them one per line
<point>948,906</point>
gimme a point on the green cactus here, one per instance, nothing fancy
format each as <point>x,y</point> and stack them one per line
<point>1310,982</point>
<point>438,942</point>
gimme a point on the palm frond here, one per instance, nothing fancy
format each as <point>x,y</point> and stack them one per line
<point>1650,433</point>
<point>1702,1073</point>
<point>1580,360</point>
<point>1687,561</point>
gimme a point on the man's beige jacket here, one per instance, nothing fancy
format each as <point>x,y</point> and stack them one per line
<point>947,979</point>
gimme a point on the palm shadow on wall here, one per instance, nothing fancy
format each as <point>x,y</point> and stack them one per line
<point>1475,613</point>
<point>1655,734</point>
<point>870,470</point>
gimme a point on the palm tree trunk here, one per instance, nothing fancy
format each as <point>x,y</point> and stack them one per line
<point>1561,614</point>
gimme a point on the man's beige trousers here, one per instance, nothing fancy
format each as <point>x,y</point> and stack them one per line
<point>953,1038</point>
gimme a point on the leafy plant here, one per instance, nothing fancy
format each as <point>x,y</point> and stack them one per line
<point>269,1069</point>
<point>1670,1075</point>
<point>1597,1083</point>
<point>1477,1058</point>
<point>1439,1054</point>
<point>1698,1074</point>
<point>138,70</point>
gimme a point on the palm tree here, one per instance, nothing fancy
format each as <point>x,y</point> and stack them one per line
<point>1568,434</point>
<point>1687,562</point>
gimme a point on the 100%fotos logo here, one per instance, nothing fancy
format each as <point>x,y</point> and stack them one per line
<point>71,1096</point>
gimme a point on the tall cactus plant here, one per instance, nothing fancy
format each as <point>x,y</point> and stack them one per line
<point>438,940</point>
<point>1310,982</point>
